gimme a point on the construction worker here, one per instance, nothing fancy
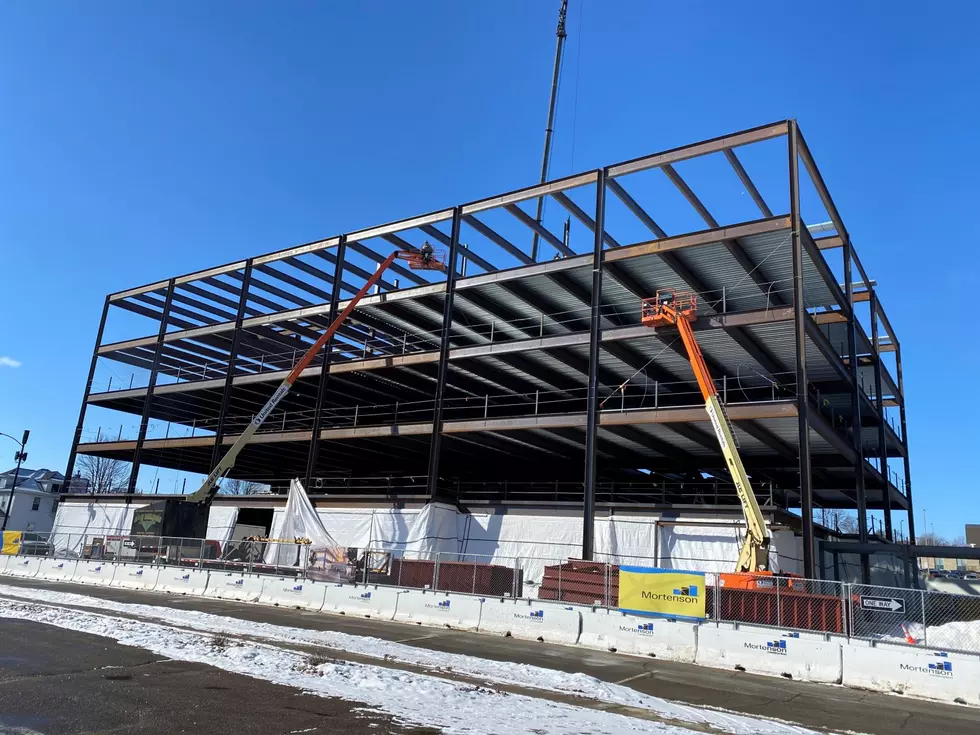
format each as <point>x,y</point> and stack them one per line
<point>428,253</point>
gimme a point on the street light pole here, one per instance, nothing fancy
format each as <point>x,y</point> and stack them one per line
<point>20,457</point>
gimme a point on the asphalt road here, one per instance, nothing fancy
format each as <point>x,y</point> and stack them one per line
<point>813,705</point>
<point>59,682</point>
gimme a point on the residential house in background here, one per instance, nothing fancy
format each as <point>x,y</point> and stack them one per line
<point>35,499</point>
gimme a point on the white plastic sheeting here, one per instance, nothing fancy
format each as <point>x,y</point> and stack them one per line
<point>78,523</point>
<point>433,532</point>
<point>701,548</point>
<point>299,520</point>
<point>221,523</point>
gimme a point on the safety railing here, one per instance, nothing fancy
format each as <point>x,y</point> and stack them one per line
<point>639,394</point>
<point>356,344</point>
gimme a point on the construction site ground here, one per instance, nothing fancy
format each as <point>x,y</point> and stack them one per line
<point>36,674</point>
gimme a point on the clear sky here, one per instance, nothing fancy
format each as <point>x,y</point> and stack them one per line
<point>143,140</point>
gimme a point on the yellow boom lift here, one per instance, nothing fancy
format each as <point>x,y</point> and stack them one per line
<point>679,309</point>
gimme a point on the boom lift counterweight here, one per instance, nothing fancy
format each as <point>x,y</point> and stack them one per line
<point>679,309</point>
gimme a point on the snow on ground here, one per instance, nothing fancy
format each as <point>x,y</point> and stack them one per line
<point>960,635</point>
<point>498,672</point>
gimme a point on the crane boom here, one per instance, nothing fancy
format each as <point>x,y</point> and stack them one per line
<point>424,259</point>
<point>679,310</point>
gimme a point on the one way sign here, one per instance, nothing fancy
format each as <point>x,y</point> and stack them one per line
<point>888,604</point>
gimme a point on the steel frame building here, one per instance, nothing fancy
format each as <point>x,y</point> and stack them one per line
<point>490,382</point>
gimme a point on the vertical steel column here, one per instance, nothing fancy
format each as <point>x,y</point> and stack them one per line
<point>905,441</point>
<point>435,446</point>
<point>219,431</point>
<point>592,419</point>
<point>148,401</point>
<point>880,405</point>
<point>857,440</point>
<point>73,453</point>
<point>799,321</point>
<point>321,392</point>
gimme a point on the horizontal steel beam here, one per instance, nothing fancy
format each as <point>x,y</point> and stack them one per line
<point>531,192</point>
<point>704,237</point>
<point>755,135</point>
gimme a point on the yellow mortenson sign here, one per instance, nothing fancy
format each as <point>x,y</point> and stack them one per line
<point>11,542</point>
<point>663,592</point>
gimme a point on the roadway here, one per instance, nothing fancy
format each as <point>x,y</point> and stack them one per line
<point>818,706</point>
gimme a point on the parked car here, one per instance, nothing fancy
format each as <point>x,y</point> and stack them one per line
<point>34,544</point>
<point>971,575</point>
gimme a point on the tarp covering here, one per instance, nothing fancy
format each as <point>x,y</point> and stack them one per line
<point>76,524</point>
<point>299,521</point>
<point>221,523</point>
<point>433,532</point>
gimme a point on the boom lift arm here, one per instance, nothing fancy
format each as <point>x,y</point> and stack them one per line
<point>680,309</point>
<point>424,259</point>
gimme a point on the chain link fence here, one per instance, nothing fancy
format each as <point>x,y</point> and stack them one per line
<point>898,615</point>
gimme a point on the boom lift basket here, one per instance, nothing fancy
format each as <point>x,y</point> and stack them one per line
<point>433,259</point>
<point>667,307</point>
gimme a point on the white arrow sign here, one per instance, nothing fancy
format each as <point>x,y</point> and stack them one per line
<point>888,604</point>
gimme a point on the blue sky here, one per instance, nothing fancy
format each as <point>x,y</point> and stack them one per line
<point>142,140</point>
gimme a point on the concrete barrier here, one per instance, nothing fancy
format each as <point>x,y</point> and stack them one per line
<point>235,586</point>
<point>438,608</point>
<point>369,601</point>
<point>776,653</point>
<point>24,566</point>
<point>528,620</point>
<point>4,558</point>
<point>183,581</point>
<point>916,672</point>
<point>56,570</point>
<point>93,572</point>
<point>292,592</point>
<point>660,638</point>
<point>135,576</point>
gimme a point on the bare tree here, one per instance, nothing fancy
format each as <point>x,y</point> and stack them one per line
<point>934,539</point>
<point>104,475</point>
<point>839,520</point>
<point>241,487</point>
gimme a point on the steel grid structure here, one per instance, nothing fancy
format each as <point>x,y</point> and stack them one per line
<point>505,372</point>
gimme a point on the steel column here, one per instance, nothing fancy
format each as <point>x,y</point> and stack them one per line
<point>435,446</point>
<point>592,418</point>
<point>799,319</point>
<point>73,453</point>
<point>880,405</point>
<point>905,440</point>
<point>856,438</point>
<point>321,393</point>
<point>148,401</point>
<point>233,356</point>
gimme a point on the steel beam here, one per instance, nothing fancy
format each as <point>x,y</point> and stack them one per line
<point>748,183</point>
<point>73,452</point>
<point>324,377</point>
<point>905,440</point>
<point>879,401</point>
<point>148,401</point>
<point>435,444</point>
<point>734,140</point>
<point>595,327</point>
<point>802,385</point>
<point>856,438</point>
<point>232,358</point>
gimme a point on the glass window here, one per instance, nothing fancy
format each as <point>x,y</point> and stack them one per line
<point>36,504</point>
